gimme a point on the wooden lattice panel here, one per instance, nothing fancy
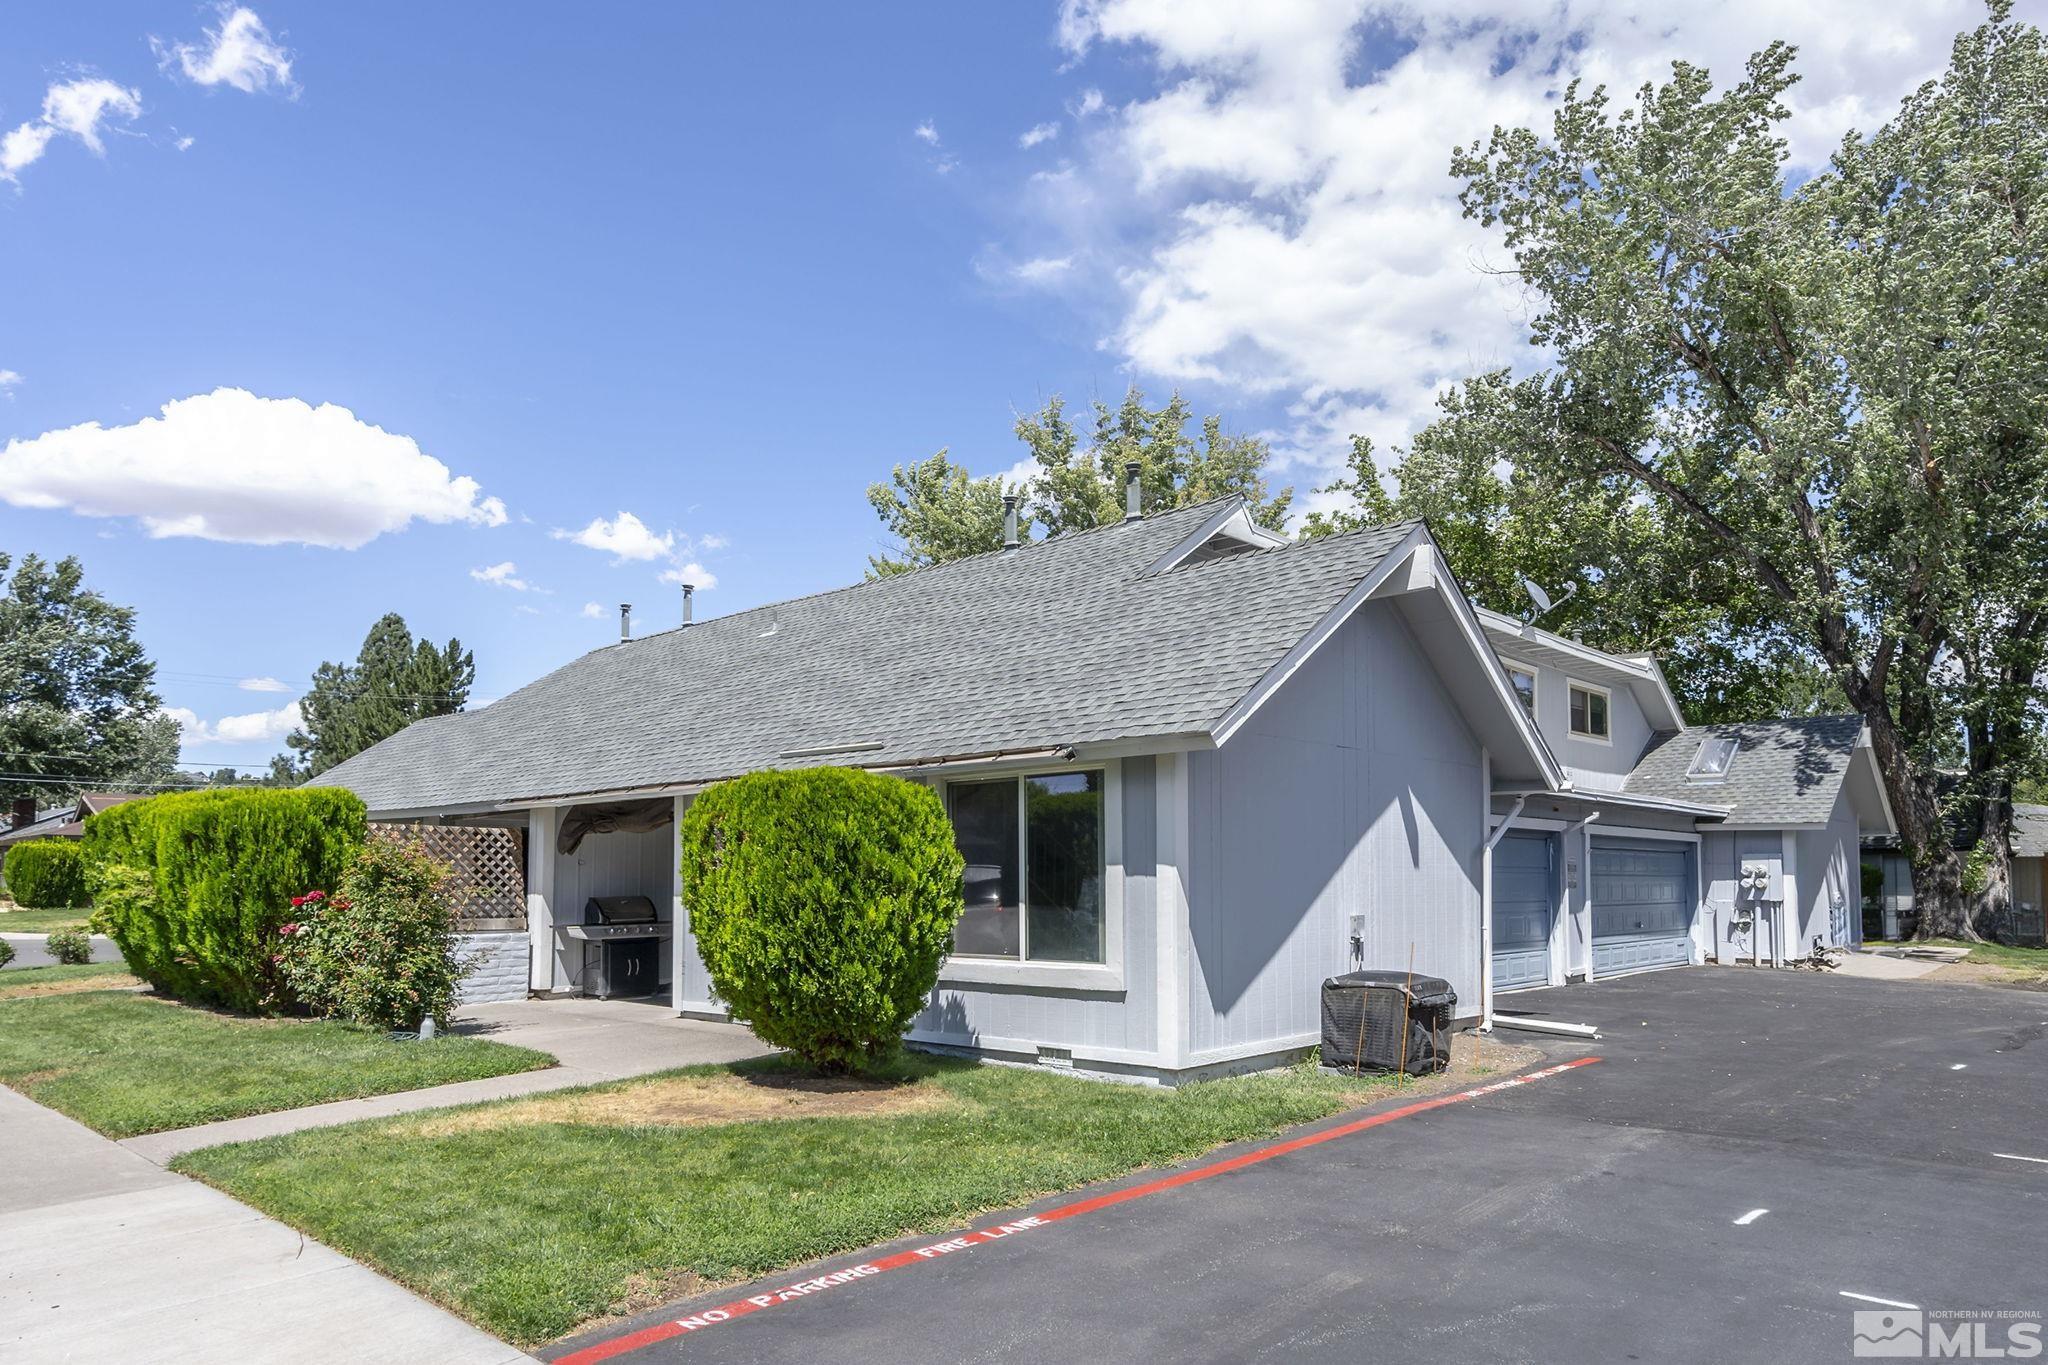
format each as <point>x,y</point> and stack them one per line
<point>488,883</point>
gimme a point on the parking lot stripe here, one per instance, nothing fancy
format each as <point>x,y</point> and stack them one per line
<point>1750,1217</point>
<point>2010,1156</point>
<point>1872,1298</point>
<point>754,1303</point>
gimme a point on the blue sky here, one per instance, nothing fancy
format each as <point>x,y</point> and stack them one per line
<point>698,264</point>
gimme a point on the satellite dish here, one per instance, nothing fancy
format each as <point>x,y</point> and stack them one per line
<point>1543,601</point>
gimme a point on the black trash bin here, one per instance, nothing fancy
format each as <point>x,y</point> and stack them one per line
<point>1362,1013</point>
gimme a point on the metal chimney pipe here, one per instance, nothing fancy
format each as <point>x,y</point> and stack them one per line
<point>1010,541</point>
<point>1134,507</point>
<point>625,622</point>
<point>689,591</point>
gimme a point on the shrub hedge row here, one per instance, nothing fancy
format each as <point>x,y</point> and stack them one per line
<point>193,885</point>
<point>823,902</point>
<point>46,874</point>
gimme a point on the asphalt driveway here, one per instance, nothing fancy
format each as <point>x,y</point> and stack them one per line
<point>1593,1215</point>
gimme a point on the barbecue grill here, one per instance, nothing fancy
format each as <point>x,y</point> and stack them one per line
<point>626,934</point>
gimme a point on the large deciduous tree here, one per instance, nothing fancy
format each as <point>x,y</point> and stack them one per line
<point>937,511</point>
<point>1836,389</point>
<point>394,681</point>
<point>77,692</point>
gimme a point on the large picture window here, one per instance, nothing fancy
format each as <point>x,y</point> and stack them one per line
<point>1034,852</point>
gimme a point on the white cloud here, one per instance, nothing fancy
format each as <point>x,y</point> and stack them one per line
<point>74,108</point>
<point>257,727</point>
<point>1090,103</point>
<point>184,144</point>
<point>264,684</point>
<point>1040,269</point>
<point>230,466</point>
<point>927,133</point>
<point>693,573</point>
<point>712,542</point>
<point>10,380</point>
<point>240,53</point>
<point>624,537</point>
<point>1275,215</point>
<point>505,575</point>
<point>1043,132</point>
<point>593,612</point>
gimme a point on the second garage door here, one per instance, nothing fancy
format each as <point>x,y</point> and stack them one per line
<point>1644,895</point>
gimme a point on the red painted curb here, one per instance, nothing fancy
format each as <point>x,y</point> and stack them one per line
<point>754,1303</point>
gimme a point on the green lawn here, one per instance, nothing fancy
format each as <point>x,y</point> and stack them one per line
<point>15,920</point>
<point>534,1226</point>
<point>21,981</point>
<point>125,1064</point>
<point>2032,961</point>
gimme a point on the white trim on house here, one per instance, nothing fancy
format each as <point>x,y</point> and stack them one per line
<point>1104,976</point>
<point>1414,565</point>
<point>540,892</point>
<point>1171,933</point>
<point>1636,668</point>
<point>1233,519</point>
<point>1606,695</point>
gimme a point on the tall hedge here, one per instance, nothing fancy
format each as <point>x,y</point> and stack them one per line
<point>192,886</point>
<point>823,902</point>
<point>46,874</point>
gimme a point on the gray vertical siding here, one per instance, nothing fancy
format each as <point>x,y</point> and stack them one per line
<point>1604,764</point>
<point>1355,789</point>
<point>1828,874</point>
<point>1119,1026</point>
<point>1722,853</point>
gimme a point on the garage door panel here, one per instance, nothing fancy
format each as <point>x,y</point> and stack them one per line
<point>1644,899</point>
<point>1524,908</point>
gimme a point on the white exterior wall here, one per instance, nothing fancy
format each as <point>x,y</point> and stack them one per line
<point>616,864</point>
<point>1356,789</point>
<point>500,969</point>
<point>1722,854</point>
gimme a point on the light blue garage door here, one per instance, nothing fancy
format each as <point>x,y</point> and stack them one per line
<point>1644,894</point>
<point>1524,907</point>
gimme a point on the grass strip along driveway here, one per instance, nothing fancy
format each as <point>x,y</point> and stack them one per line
<point>533,1216</point>
<point>62,979</point>
<point>20,921</point>
<point>124,1063</point>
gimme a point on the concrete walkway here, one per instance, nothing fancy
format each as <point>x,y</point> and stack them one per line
<point>104,1256</point>
<point>32,950</point>
<point>594,1040</point>
<point>1898,963</point>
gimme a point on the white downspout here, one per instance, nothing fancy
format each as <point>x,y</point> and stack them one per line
<point>1586,862</point>
<point>1486,913</point>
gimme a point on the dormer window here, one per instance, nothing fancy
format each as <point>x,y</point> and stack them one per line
<point>1589,713</point>
<point>1711,763</point>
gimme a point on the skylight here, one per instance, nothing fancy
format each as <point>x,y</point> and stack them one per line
<point>1710,764</point>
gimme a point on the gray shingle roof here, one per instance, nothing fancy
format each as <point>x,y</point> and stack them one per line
<point>1785,772</point>
<point>1065,641</point>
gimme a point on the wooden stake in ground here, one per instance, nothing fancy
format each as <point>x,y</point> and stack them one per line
<point>1407,997</point>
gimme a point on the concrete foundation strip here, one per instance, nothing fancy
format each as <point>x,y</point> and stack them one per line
<point>754,1303</point>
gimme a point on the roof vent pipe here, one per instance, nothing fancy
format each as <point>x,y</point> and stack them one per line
<point>1133,508</point>
<point>1010,541</point>
<point>689,591</point>
<point>625,622</point>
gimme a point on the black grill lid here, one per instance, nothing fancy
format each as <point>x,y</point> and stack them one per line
<point>619,910</point>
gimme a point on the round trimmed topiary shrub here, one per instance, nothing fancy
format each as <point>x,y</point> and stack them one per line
<point>823,902</point>
<point>46,874</point>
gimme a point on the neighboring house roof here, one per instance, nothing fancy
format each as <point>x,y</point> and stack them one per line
<point>67,822</point>
<point>1639,673</point>
<point>2029,831</point>
<point>1784,772</point>
<point>1075,640</point>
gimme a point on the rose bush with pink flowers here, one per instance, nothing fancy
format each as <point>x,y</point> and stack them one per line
<point>381,949</point>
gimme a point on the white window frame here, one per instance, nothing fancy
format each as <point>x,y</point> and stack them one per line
<point>1693,772</point>
<point>1591,689</point>
<point>1535,676</point>
<point>1107,975</point>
